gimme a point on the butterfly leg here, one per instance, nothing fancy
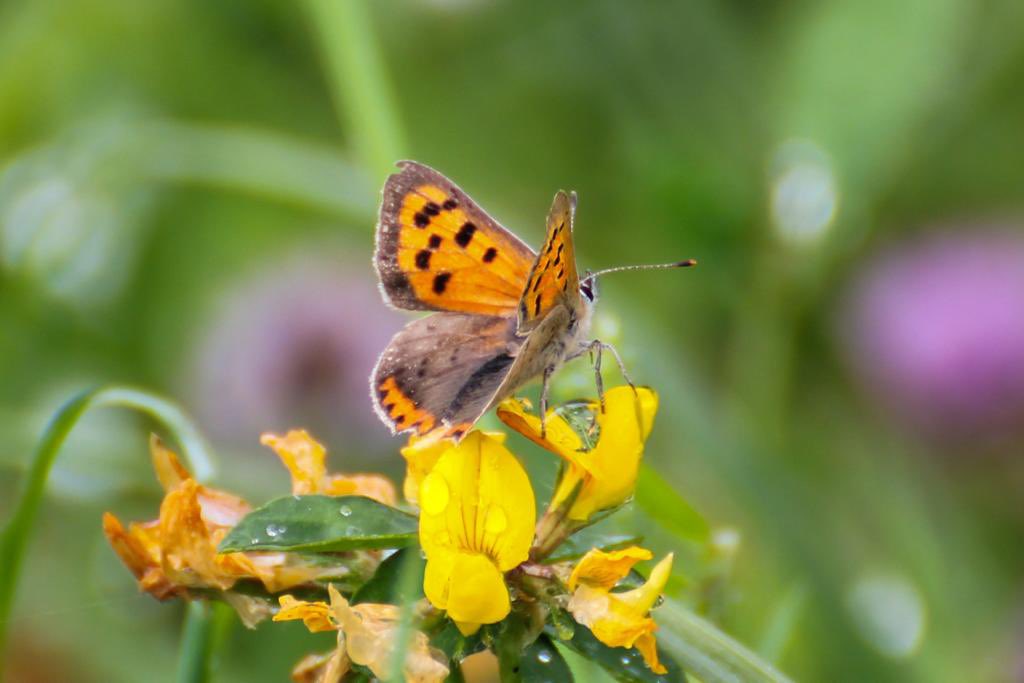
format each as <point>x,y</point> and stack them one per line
<point>622,366</point>
<point>545,384</point>
<point>596,349</point>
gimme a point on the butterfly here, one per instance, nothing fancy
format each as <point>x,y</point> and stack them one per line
<point>505,314</point>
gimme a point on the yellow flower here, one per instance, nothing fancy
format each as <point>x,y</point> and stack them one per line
<point>306,460</point>
<point>178,550</point>
<point>366,636</point>
<point>476,523</point>
<point>606,473</point>
<point>618,619</point>
<point>421,454</point>
<point>420,457</point>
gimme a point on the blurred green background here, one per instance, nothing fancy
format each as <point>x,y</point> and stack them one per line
<point>187,198</point>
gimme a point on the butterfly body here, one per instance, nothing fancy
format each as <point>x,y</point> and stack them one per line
<point>505,314</point>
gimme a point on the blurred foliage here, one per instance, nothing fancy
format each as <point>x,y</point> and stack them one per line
<point>155,156</point>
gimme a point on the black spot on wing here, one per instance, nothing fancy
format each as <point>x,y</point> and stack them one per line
<point>449,204</point>
<point>431,209</point>
<point>441,282</point>
<point>434,242</point>
<point>423,259</point>
<point>490,254</point>
<point>465,234</point>
<point>421,219</point>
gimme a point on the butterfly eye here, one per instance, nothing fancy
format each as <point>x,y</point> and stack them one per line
<point>587,289</point>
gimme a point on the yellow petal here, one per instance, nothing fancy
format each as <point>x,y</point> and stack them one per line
<point>315,615</point>
<point>621,619</point>
<point>602,569</point>
<point>169,471</point>
<point>374,486</point>
<point>188,549</point>
<point>328,667</point>
<point>467,585</point>
<point>643,598</point>
<point>559,438</point>
<point>611,622</point>
<point>304,457</point>
<point>648,648</point>
<point>420,457</point>
<point>370,638</point>
<point>139,552</point>
<point>478,499</point>
<point>612,466</point>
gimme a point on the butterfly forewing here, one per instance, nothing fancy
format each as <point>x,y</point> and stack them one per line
<point>437,250</point>
<point>553,278</point>
<point>440,373</point>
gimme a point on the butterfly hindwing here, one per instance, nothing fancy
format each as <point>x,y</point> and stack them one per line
<point>441,372</point>
<point>437,250</point>
<point>553,278</point>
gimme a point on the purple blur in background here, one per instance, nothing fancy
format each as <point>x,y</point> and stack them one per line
<point>295,349</point>
<point>936,329</point>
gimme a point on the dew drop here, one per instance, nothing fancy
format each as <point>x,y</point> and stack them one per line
<point>351,531</point>
<point>275,530</point>
<point>625,660</point>
<point>434,494</point>
<point>496,521</point>
<point>345,511</point>
<point>544,656</point>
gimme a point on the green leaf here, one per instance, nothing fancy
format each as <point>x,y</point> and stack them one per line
<point>322,524</point>
<point>543,663</point>
<point>659,500</point>
<point>450,640</point>
<point>510,637</point>
<point>384,585</point>
<point>708,653</point>
<point>623,664</point>
<point>15,537</point>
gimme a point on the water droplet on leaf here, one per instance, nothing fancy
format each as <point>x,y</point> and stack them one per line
<point>544,656</point>
<point>345,511</point>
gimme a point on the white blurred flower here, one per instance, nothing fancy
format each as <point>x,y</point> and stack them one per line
<point>889,613</point>
<point>804,194</point>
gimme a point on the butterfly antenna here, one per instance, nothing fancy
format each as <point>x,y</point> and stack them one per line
<point>656,266</point>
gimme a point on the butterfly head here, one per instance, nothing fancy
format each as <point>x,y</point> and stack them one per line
<point>588,288</point>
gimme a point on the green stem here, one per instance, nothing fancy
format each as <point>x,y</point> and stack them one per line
<point>194,656</point>
<point>14,541</point>
<point>407,577</point>
<point>361,90</point>
<point>205,627</point>
<point>707,653</point>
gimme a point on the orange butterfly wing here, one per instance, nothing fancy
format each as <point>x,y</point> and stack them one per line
<point>553,278</point>
<point>437,250</point>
